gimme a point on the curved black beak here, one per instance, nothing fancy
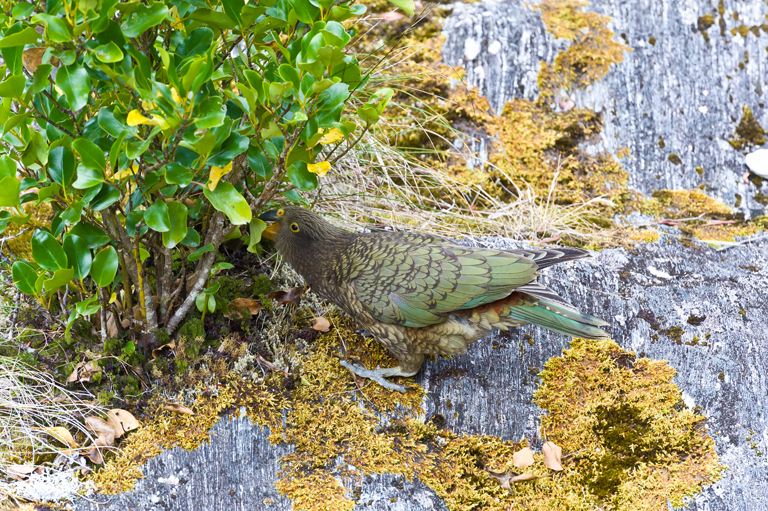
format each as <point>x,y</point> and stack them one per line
<point>269,216</point>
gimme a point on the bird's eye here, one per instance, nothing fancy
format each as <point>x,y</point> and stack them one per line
<point>280,212</point>
<point>295,227</point>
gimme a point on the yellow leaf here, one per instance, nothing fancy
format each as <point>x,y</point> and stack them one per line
<point>113,298</point>
<point>333,136</point>
<point>320,168</point>
<point>216,174</point>
<point>175,96</point>
<point>135,118</point>
<point>128,171</point>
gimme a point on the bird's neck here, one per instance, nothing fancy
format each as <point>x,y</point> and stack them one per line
<point>318,259</point>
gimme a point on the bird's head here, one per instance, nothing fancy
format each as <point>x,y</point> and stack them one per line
<point>300,234</point>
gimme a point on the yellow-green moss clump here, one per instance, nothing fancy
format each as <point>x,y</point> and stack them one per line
<point>634,442</point>
<point>749,133</point>
<point>597,397</point>
<point>590,55</point>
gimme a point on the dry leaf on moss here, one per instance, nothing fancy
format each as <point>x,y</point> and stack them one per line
<point>172,407</point>
<point>19,472</point>
<point>162,350</point>
<point>292,296</point>
<point>95,455</point>
<point>553,454</point>
<point>269,365</point>
<point>321,324</point>
<point>519,478</point>
<point>83,372</point>
<point>127,420</point>
<point>523,458</point>
<point>62,435</point>
<point>105,431</point>
<point>238,304</point>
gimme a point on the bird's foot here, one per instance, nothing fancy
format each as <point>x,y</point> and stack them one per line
<point>365,334</point>
<point>378,375</point>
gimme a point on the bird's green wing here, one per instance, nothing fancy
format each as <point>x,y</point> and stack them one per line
<point>415,282</point>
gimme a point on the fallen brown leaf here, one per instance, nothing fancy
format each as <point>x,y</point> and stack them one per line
<point>238,304</point>
<point>162,350</point>
<point>19,472</point>
<point>523,477</point>
<point>62,435</point>
<point>292,296</point>
<point>523,458</point>
<point>172,407</point>
<point>95,455</point>
<point>321,324</point>
<point>105,431</point>
<point>553,454</point>
<point>112,330</point>
<point>269,365</point>
<point>83,372</point>
<point>125,419</point>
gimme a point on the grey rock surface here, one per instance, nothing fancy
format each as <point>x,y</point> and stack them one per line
<point>682,89</point>
<point>489,390</point>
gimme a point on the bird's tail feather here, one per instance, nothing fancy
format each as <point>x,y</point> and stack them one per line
<point>553,316</point>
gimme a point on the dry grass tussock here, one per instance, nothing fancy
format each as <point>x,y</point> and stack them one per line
<point>32,403</point>
<point>380,185</point>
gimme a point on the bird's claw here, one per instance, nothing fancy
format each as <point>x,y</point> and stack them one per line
<point>362,332</point>
<point>376,375</point>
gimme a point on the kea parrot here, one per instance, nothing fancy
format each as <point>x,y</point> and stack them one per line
<point>418,294</point>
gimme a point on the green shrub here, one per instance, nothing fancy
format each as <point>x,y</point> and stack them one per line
<point>165,124</point>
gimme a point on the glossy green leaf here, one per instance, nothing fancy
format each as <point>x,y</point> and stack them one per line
<point>105,198</point>
<point>61,165</point>
<point>56,29</point>
<point>87,178</point>
<point>197,254</point>
<point>47,252</point>
<point>13,87</point>
<point>72,214</point>
<point>27,36</point>
<point>176,174</point>
<point>60,278</point>
<point>212,18</point>
<point>211,114</point>
<point>109,53</point>
<point>256,228</point>
<point>78,255</point>
<point>178,231</point>
<point>301,178</point>
<point>9,192</point>
<point>24,276</point>
<point>75,83</point>
<point>104,267</point>
<point>192,239</point>
<point>93,236</point>
<point>157,218</point>
<point>91,155</point>
<point>143,19</point>
<point>229,201</point>
<point>7,166</point>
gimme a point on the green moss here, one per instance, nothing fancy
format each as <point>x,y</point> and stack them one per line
<point>675,159</point>
<point>652,40</point>
<point>634,440</point>
<point>675,333</point>
<point>748,133</point>
<point>192,327</point>
<point>699,171</point>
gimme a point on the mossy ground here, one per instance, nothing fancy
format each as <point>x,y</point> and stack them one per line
<point>629,441</point>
